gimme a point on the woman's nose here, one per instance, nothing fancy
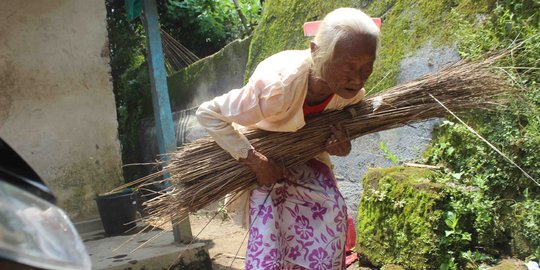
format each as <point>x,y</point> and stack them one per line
<point>356,80</point>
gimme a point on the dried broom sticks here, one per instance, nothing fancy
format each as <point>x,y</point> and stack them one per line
<point>202,172</point>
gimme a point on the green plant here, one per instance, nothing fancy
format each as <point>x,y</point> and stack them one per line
<point>475,259</point>
<point>497,214</point>
<point>535,256</point>
<point>526,226</point>
<point>388,154</point>
<point>454,234</point>
<point>453,240</point>
<point>205,26</point>
<point>222,211</point>
<point>449,262</point>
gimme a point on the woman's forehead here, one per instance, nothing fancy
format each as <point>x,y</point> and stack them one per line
<point>356,47</point>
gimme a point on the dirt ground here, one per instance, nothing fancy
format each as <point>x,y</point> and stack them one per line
<point>225,239</point>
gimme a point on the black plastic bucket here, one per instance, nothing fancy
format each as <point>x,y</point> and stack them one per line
<point>118,212</point>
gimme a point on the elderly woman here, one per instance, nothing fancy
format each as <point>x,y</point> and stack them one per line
<point>297,215</point>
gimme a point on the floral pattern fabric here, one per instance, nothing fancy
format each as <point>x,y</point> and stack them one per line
<point>298,224</point>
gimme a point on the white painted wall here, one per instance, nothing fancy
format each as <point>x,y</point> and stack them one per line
<point>57,106</point>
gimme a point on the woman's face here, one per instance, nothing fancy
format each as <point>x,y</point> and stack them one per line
<point>351,65</point>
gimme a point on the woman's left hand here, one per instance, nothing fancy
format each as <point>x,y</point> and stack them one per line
<point>339,143</point>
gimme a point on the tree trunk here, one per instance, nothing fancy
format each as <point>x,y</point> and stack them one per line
<point>242,17</point>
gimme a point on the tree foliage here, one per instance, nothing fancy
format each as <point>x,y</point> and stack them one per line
<point>205,26</point>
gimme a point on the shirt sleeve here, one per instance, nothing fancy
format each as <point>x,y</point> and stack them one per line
<point>257,100</point>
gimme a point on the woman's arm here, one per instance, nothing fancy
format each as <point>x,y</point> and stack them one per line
<point>246,106</point>
<point>339,143</point>
<point>267,170</point>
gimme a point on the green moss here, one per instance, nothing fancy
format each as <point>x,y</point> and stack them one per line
<point>502,218</point>
<point>509,265</point>
<point>82,181</point>
<point>392,267</point>
<point>281,27</point>
<point>399,218</point>
<point>408,25</point>
<point>181,84</point>
<point>524,221</point>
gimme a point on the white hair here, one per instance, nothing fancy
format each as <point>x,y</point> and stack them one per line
<point>338,24</point>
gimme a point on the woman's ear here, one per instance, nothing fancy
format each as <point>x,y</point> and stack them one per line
<point>313,47</point>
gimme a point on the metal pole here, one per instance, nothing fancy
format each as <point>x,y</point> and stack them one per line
<point>160,100</point>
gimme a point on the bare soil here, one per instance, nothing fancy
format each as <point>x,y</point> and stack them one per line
<point>223,238</point>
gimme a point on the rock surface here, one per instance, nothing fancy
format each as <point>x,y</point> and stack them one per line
<point>406,143</point>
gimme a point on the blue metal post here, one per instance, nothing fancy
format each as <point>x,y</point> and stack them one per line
<point>160,99</point>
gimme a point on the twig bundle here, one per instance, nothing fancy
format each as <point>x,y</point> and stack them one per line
<point>202,172</point>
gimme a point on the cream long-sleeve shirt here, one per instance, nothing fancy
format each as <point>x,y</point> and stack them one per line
<point>272,100</point>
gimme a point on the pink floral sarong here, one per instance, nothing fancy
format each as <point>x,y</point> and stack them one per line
<point>301,225</point>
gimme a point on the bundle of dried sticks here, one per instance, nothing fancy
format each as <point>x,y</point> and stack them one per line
<point>202,172</point>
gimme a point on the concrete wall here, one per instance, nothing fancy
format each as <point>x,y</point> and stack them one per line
<point>56,102</point>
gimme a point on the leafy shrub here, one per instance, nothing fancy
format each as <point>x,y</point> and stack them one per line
<point>502,214</point>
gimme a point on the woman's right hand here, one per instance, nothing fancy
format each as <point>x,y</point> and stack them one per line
<point>267,170</point>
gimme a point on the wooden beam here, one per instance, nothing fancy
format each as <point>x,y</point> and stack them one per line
<point>160,100</point>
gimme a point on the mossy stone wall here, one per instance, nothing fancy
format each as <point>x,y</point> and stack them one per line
<point>281,27</point>
<point>407,26</point>
<point>399,218</point>
<point>209,77</point>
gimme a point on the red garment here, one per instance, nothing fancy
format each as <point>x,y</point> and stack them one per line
<point>317,108</point>
<point>351,235</point>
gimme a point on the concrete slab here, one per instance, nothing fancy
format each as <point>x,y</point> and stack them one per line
<point>115,253</point>
<point>89,226</point>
